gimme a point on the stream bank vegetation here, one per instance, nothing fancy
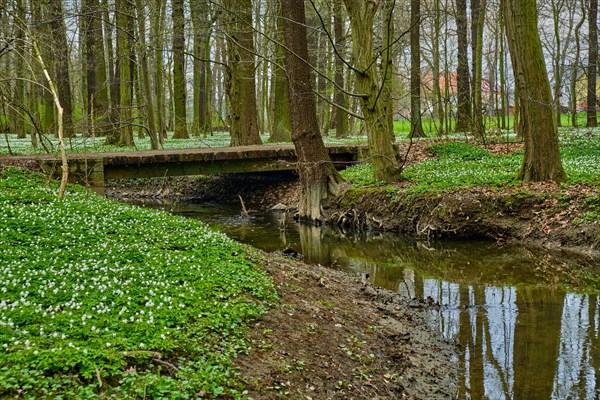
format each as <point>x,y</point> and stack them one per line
<point>104,299</point>
<point>463,189</point>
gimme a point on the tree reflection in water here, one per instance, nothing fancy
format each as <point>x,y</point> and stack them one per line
<point>520,343</point>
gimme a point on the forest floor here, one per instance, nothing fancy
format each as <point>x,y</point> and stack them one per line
<point>334,337</point>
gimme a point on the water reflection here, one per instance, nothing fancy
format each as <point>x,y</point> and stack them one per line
<point>523,337</point>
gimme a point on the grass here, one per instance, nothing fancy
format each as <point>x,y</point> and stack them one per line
<point>105,299</point>
<point>10,144</point>
<point>462,165</point>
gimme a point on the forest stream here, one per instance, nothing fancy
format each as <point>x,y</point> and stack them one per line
<point>520,334</point>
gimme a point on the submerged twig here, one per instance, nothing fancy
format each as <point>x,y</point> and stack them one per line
<point>245,213</point>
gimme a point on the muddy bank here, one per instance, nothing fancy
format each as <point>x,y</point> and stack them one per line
<point>335,337</point>
<point>258,190</point>
<point>540,214</point>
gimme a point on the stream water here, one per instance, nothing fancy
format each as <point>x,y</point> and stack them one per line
<point>522,337</point>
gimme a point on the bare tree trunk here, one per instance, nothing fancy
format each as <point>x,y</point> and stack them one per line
<point>503,91</point>
<point>241,82</point>
<point>126,66</point>
<point>203,24</point>
<point>386,63</point>
<point>542,158</point>
<point>16,121</point>
<point>341,117</point>
<point>384,158</point>
<point>438,105</point>
<point>318,178</point>
<point>61,58</point>
<point>575,67</point>
<point>281,124</point>
<point>416,129</point>
<point>146,86</point>
<point>463,113</point>
<point>592,120</point>
<point>477,71</point>
<point>156,31</point>
<point>179,81</point>
<point>97,88</point>
<point>113,69</point>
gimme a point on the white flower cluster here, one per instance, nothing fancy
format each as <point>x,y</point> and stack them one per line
<point>98,279</point>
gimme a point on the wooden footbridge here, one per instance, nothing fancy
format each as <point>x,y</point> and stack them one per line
<point>93,169</point>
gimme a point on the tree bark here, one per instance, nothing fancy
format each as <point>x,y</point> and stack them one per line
<point>96,88</point>
<point>438,104</point>
<point>592,120</point>
<point>18,123</point>
<point>61,64</point>
<point>158,16</point>
<point>542,158</point>
<point>463,113</point>
<point>113,70</point>
<point>341,117</point>
<point>386,63</point>
<point>179,81</point>
<point>416,123</point>
<point>241,80</point>
<point>576,66</point>
<point>384,158</point>
<point>319,180</point>
<point>281,124</point>
<point>202,25</point>
<point>503,91</point>
<point>478,69</point>
<point>145,81</point>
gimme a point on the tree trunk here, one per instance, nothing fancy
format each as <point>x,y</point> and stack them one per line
<point>463,112</point>
<point>202,29</point>
<point>113,72</point>
<point>179,81</point>
<point>576,66</point>
<point>503,91</point>
<point>158,15</point>
<point>42,33</point>
<point>438,105</point>
<point>96,87</point>
<point>384,158</point>
<point>126,64</point>
<point>416,129</point>
<point>341,117</point>
<point>386,63</point>
<point>318,178</point>
<point>542,158</point>
<point>556,11</point>
<point>241,82</point>
<point>61,64</point>
<point>17,121</point>
<point>477,71</point>
<point>592,120</point>
<point>281,124</point>
<point>145,81</point>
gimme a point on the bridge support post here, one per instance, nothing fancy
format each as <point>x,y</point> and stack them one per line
<point>85,172</point>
